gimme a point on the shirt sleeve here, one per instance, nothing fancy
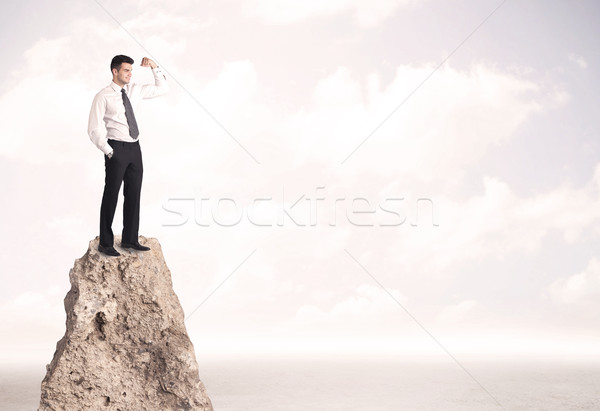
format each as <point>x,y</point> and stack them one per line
<point>159,87</point>
<point>96,127</point>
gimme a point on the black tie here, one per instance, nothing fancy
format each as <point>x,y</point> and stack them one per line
<point>133,128</point>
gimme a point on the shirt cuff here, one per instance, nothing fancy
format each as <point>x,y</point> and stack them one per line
<point>158,71</point>
<point>106,149</point>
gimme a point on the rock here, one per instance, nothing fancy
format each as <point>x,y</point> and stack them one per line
<point>126,346</point>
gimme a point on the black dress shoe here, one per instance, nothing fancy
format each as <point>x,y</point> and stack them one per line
<point>136,246</point>
<point>108,251</point>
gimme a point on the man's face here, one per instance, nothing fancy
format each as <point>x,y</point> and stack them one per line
<point>123,76</point>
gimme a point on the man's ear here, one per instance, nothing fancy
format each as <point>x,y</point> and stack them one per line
<point>114,71</point>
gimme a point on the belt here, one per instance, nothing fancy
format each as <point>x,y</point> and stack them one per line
<point>123,143</point>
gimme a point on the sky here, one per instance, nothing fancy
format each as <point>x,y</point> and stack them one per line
<point>407,177</point>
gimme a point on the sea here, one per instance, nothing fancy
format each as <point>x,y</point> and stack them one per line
<point>369,384</point>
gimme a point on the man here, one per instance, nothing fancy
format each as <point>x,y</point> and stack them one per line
<point>113,129</point>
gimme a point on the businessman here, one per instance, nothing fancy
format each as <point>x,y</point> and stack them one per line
<point>113,129</point>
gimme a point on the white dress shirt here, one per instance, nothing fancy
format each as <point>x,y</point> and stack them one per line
<point>107,116</point>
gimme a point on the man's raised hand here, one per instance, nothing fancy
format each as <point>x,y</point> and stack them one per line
<point>146,62</point>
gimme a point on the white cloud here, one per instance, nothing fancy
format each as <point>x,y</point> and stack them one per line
<point>583,287</point>
<point>289,11</point>
<point>450,123</point>
<point>40,118</point>
<point>498,224</point>
<point>368,309</point>
<point>473,110</point>
<point>41,107</point>
<point>457,118</point>
<point>579,60</point>
<point>32,314</point>
<point>457,313</point>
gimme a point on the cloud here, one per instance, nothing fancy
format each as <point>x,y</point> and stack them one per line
<point>457,313</point>
<point>579,61</point>
<point>581,288</point>
<point>496,224</point>
<point>450,123</point>
<point>472,109</point>
<point>369,308</point>
<point>289,11</point>
<point>32,314</point>
<point>41,106</point>
<point>442,133</point>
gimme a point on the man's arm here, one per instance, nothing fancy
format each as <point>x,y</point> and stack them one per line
<point>96,126</point>
<point>160,85</point>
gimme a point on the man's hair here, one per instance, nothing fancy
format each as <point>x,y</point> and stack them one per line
<point>117,60</point>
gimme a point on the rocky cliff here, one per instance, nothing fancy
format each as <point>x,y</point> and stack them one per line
<point>126,346</point>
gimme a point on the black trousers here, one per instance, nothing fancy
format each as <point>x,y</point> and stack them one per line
<point>124,166</point>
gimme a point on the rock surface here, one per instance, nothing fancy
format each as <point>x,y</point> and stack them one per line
<point>126,346</point>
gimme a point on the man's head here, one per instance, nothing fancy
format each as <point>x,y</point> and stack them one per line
<point>120,66</point>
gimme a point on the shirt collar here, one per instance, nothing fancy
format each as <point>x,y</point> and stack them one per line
<point>116,87</point>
